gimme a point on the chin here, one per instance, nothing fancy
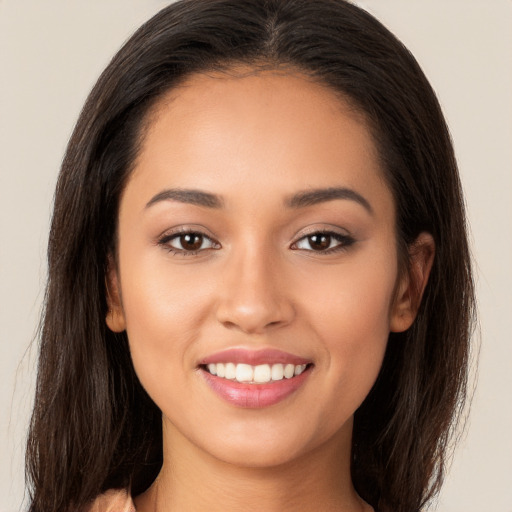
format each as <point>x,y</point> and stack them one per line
<point>257,455</point>
<point>267,445</point>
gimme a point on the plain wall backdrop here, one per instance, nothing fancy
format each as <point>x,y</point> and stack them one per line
<point>51,53</point>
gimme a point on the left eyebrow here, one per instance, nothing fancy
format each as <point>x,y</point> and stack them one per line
<point>188,196</point>
<point>322,195</point>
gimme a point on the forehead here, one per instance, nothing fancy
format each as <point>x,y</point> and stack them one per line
<point>240,127</point>
<point>257,96</point>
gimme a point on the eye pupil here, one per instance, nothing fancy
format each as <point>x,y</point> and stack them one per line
<point>319,241</point>
<point>191,241</point>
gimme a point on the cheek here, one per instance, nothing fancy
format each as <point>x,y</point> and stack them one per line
<point>353,302</point>
<point>351,318</point>
<point>156,298</point>
<point>165,313</point>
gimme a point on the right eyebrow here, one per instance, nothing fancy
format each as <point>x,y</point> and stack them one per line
<point>307,198</point>
<point>189,196</point>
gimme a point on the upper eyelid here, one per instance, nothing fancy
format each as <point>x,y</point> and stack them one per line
<point>334,234</point>
<point>183,230</point>
<point>171,236</point>
<point>308,231</point>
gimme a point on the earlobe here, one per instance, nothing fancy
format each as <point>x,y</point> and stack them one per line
<point>413,283</point>
<point>115,316</point>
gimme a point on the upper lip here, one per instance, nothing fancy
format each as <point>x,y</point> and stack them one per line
<point>253,357</point>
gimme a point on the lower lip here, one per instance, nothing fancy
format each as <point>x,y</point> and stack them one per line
<point>254,396</point>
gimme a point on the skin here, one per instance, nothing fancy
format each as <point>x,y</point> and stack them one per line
<point>255,140</point>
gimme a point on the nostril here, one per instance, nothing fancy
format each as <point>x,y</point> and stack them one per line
<point>229,324</point>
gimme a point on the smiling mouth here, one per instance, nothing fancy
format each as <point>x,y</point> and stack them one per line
<point>255,378</point>
<point>259,374</point>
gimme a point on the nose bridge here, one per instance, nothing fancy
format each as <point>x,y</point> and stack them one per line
<point>253,299</point>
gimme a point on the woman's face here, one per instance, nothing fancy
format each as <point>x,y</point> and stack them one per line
<point>256,241</point>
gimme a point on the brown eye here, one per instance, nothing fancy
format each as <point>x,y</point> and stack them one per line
<point>188,242</point>
<point>191,241</point>
<point>319,241</point>
<point>325,242</point>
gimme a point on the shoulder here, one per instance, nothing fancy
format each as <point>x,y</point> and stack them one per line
<point>115,500</point>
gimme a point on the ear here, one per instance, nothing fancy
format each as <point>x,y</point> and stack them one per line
<point>115,317</point>
<point>412,284</point>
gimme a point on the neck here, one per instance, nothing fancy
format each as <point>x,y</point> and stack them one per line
<point>192,480</point>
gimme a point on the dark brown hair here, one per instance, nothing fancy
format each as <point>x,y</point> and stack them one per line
<point>93,426</point>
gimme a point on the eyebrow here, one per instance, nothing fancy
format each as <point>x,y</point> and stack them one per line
<point>189,196</point>
<point>321,195</point>
<point>301,199</point>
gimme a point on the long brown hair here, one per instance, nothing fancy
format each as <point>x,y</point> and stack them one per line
<point>93,425</point>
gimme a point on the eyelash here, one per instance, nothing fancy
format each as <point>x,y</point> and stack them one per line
<point>165,241</point>
<point>344,242</point>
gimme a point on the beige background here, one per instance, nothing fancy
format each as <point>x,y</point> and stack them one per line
<point>51,53</point>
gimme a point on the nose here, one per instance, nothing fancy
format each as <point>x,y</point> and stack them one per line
<point>254,295</point>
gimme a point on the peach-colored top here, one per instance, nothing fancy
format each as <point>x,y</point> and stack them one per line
<point>117,500</point>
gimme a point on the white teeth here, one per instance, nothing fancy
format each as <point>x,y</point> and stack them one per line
<point>262,373</point>
<point>230,371</point>
<point>277,372</point>
<point>259,374</point>
<point>299,369</point>
<point>244,372</point>
<point>289,370</point>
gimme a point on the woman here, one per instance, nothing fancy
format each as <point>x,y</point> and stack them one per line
<point>258,272</point>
